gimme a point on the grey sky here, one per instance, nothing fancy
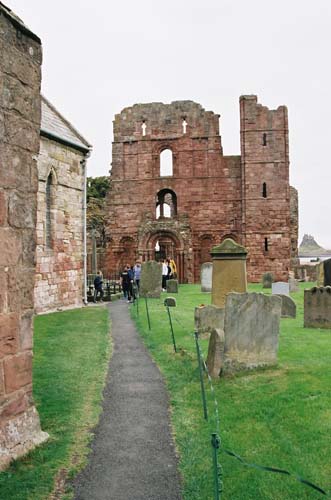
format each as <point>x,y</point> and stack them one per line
<point>102,56</point>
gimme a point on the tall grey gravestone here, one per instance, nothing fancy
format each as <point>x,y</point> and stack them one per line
<point>251,329</point>
<point>206,276</point>
<point>280,288</point>
<point>151,279</point>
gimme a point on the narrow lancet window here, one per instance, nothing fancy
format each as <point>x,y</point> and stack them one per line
<point>266,244</point>
<point>143,128</point>
<point>264,190</point>
<point>48,221</point>
<point>184,125</point>
<point>264,139</point>
<point>166,168</point>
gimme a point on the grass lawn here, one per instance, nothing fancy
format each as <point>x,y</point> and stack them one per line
<point>71,352</point>
<point>278,417</point>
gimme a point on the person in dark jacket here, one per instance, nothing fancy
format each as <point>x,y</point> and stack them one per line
<point>98,287</point>
<point>126,283</point>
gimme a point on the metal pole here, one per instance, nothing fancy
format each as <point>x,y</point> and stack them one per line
<point>203,394</point>
<point>215,442</point>
<point>137,301</point>
<point>172,330</point>
<point>147,311</point>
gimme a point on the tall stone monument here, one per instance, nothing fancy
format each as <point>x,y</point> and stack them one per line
<point>229,270</point>
<point>20,75</point>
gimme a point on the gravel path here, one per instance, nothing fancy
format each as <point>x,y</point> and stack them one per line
<point>133,455</point>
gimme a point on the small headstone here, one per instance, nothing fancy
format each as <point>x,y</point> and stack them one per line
<point>251,329</point>
<point>293,285</point>
<point>280,288</point>
<point>327,272</point>
<point>267,280</point>
<point>215,352</point>
<point>170,302</point>
<point>289,308</point>
<point>317,307</point>
<point>172,286</point>
<point>151,279</point>
<point>206,276</point>
<point>207,318</point>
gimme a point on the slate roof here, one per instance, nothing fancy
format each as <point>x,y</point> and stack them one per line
<point>56,127</point>
<point>17,22</point>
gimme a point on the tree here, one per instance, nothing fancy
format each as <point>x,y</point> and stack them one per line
<point>97,187</point>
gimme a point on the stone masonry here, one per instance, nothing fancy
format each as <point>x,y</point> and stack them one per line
<point>20,75</point>
<point>209,196</point>
<point>61,164</point>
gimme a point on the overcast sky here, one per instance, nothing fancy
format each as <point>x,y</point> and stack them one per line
<point>102,56</point>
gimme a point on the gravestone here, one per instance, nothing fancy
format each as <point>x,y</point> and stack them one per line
<point>206,276</point>
<point>229,270</point>
<point>151,279</point>
<point>251,329</point>
<point>289,308</point>
<point>170,302</point>
<point>207,318</point>
<point>324,273</point>
<point>293,285</point>
<point>280,288</point>
<point>267,280</point>
<point>317,307</point>
<point>172,286</point>
<point>215,352</point>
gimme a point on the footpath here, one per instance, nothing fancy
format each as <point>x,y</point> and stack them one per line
<point>132,453</point>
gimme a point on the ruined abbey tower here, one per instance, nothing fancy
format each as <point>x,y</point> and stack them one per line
<point>173,192</point>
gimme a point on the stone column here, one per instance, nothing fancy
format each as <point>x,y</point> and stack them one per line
<point>20,75</point>
<point>229,270</point>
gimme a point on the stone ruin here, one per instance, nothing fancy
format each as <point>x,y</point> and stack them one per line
<point>20,75</point>
<point>317,307</point>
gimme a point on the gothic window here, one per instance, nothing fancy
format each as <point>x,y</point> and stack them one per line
<point>264,190</point>
<point>264,139</point>
<point>184,125</point>
<point>166,204</point>
<point>48,218</point>
<point>143,128</point>
<point>266,244</point>
<point>166,168</point>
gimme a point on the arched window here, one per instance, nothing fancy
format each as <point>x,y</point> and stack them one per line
<point>166,204</point>
<point>264,190</point>
<point>48,218</point>
<point>166,168</point>
<point>264,139</point>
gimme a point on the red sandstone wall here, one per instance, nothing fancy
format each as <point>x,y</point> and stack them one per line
<point>265,217</point>
<point>19,144</point>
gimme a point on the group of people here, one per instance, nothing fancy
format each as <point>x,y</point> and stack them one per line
<point>130,279</point>
<point>169,271</point>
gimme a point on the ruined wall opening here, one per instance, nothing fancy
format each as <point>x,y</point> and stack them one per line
<point>264,190</point>
<point>166,163</point>
<point>166,204</point>
<point>264,139</point>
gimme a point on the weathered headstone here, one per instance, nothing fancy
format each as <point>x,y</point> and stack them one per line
<point>229,270</point>
<point>172,286</point>
<point>293,285</point>
<point>170,302</point>
<point>215,352</point>
<point>267,280</point>
<point>280,288</point>
<point>151,279</point>
<point>317,307</point>
<point>324,273</point>
<point>289,308</point>
<point>207,318</point>
<point>206,276</point>
<point>251,329</point>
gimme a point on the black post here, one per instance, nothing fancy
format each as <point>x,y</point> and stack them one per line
<point>172,330</point>
<point>203,394</point>
<point>147,311</point>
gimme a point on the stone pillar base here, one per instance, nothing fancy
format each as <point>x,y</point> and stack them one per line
<point>19,435</point>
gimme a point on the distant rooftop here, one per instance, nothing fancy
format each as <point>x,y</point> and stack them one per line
<point>56,127</point>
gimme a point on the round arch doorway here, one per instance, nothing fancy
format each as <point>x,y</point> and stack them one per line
<point>166,245</point>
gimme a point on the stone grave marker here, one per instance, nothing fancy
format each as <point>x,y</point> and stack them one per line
<point>293,285</point>
<point>151,279</point>
<point>206,276</point>
<point>207,318</point>
<point>317,307</point>
<point>267,280</point>
<point>170,302</point>
<point>229,270</point>
<point>215,352</point>
<point>289,308</point>
<point>251,329</point>
<point>172,286</point>
<point>280,288</point>
<point>324,273</point>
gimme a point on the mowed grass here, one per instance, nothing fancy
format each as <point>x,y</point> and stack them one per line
<point>279,417</point>
<point>71,352</point>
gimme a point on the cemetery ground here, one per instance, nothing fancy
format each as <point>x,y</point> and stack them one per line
<point>278,417</point>
<point>71,353</point>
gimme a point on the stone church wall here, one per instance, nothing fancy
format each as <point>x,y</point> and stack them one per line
<point>20,61</point>
<point>59,270</point>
